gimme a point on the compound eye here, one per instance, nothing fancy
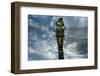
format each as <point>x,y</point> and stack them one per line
<point>58,23</point>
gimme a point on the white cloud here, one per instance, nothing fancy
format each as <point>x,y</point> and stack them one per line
<point>52,23</point>
<point>32,36</point>
<point>46,49</point>
<point>44,35</point>
<point>75,18</point>
<point>44,17</point>
<point>42,46</point>
<point>51,34</point>
<point>82,19</point>
<point>71,48</point>
<point>31,50</point>
<point>37,25</point>
<point>43,49</point>
<point>72,51</point>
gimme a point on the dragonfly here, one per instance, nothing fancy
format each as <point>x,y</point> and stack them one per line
<point>59,36</point>
<point>60,31</point>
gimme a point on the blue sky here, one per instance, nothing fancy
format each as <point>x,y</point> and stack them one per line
<point>42,41</point>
